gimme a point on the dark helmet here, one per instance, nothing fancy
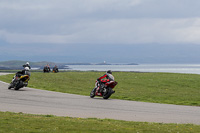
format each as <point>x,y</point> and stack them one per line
<point>109,71</point>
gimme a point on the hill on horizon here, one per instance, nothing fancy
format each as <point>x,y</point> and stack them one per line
<point>17,64</point>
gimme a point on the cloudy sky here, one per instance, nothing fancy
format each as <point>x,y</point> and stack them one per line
<point>143,31</point>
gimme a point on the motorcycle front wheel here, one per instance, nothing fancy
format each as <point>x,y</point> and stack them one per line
<point>18,85</point>
<point>10,86</point>
<point>92,93</point>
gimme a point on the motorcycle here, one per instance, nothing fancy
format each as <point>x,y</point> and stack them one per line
<point>105,92</point>
<point>55,70</point>
<point>19,81</point>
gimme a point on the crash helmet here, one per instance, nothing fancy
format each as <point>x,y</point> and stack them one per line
<point>26,68</point>
<point>109,71</point>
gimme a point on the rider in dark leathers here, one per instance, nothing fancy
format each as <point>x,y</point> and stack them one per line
<point>25,71</point>
<point>55,69</point>
<point>46,68</point>
<point>27,65</point>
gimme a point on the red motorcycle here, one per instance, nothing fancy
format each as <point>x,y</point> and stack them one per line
<point>103,89</point>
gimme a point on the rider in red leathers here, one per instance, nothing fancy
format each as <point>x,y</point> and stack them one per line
<point>109,77</point>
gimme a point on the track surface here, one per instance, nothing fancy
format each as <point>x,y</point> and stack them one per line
<point>34,101</point>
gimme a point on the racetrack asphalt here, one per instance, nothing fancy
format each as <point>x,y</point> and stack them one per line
<point>35,101</point>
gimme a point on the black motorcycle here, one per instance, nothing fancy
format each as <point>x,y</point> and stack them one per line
<point>19,81</point>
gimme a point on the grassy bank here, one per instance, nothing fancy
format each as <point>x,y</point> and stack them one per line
<point>182,89</point>
<point>18,122</point>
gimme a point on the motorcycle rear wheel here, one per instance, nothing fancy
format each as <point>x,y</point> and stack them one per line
<point>16,88</point>
<point>107,94</point>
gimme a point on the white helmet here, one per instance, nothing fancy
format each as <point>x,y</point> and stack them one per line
<point>26,68</point>
<point>27,63</point>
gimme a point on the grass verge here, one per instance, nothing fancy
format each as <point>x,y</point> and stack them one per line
<point>19,122</point>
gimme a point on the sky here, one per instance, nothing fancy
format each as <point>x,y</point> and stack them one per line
<point>128,31</point>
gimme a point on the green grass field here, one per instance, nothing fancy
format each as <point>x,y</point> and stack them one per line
<point>149,87</point>
<point>25,123</point>
<point>170,88</point>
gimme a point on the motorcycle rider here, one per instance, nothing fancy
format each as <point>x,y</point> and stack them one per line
<point>46,68</point>
<point>25,71</point>
<point>55,69</point>
<point>109,77</point>
<point>27,65</point>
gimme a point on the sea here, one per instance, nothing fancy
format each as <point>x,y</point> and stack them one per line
<point>169,68</point>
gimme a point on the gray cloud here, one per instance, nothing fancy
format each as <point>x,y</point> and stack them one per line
<point>100,21</point>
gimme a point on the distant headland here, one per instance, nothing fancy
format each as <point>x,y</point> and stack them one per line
<point>17,64</point>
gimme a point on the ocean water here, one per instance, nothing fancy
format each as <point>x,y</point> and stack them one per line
<point>171,68</point>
